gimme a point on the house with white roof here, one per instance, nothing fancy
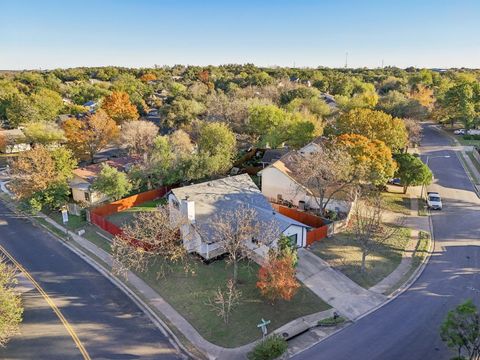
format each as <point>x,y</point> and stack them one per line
<point>200,203</point>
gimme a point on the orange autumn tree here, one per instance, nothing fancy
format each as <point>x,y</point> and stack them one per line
<point>372,159</point>
<point>3,143</point>
<point>276,279</point>
<point>148,77</point>
<point>88,136</point>
<point>118,106</point>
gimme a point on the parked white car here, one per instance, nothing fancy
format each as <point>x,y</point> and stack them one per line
<point>473,132</point>
<point>459,132</point>
<point>434,201</point>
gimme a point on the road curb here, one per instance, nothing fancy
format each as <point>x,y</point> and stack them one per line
<point>103,270</point>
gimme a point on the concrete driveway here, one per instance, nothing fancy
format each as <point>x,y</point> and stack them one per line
<point>350,299</point>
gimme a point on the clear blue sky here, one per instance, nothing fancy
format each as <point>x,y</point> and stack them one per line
<point>139,33</point>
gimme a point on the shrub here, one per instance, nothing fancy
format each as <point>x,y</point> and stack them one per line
<point>331,321</point>
<point>268,349</point>
<point>471,137</point>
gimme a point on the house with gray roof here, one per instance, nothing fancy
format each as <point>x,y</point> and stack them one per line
<point>201,203</point>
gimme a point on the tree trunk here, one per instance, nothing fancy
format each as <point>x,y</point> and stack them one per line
<point>364,257</point>
<point>405,188</point>
<point>235,272</point>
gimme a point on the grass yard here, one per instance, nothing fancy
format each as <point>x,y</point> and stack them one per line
<point>342,253</point>
<point>465,142</point>
<point>191,298</point>
<point>421,251</point>
<point>74,222</point>
<point>124,217</point>
<point>92,232</point>
<point>474,160</point>
<point>397,202</point>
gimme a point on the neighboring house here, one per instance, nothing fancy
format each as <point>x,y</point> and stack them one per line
<point>330,100</point>
<point>15,141</point>
<point>84,177</point>
<point>281,183</point>
<point>200,203</point>
<point>272,155</point>
<point>91,106</point>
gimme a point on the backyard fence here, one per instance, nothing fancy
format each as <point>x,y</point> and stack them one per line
<point>98,215</point>
<point>319,229</point>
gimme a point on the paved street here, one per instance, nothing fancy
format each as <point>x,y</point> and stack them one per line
<point>408,327</point>
<point>107,322</point>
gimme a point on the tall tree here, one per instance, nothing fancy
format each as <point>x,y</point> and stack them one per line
<point>234,231</point>
<point>111,182</point>
<point>375,125</point>
<point>39,176</point>
<point>412,171</point>
<point>10,303</point>
<point>20,110</point>
<point>151,236</point>
<point>117,105</point>
<point>461,331</point>
<point>48,103</point>
<point>138,136</point>
<point>366,223</point>
<point>325,173</point>
<point>43,133</point>
<point>462,103</point>
<point>88,136</point>
<point>372,159</point>
<point>218,143</point>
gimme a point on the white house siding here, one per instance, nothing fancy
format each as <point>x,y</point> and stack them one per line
<point>275,182</point>
<point>190,237</point>
<point>78,193</point>
<point>301,233</point>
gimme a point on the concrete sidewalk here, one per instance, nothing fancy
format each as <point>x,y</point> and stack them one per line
<point>349,298</point>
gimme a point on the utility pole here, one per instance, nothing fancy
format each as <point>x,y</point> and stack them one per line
<point>346,60</point>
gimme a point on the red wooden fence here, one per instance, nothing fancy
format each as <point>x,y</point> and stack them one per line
<point>319,230</point>
<point>317,234</point>
<point>98,215</point>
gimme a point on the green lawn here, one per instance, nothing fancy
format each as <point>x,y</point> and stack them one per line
<point>124,217</point>
<point>397,202</point>
<point>342,253</point>
<point>190,299</point>
<point>74,222</point>
<point>92,232</point>
<point>474,160</point>
<point>462,141</point>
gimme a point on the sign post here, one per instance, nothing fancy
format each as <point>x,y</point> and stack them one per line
<point>263,326</point>
<point>65,219</point>
<point>65,216</point>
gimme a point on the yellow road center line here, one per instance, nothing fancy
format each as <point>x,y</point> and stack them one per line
<point>50,302</point>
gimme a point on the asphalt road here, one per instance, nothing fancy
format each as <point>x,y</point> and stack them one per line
<point>107,322</point>
<point>408,327</point>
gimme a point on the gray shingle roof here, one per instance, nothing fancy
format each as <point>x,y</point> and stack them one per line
<point>272,155</point>
<point>227,194</point>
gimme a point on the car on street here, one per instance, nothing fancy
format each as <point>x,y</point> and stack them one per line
<point>434,201</point>
<point>473,132</point>
<point>395,181</point>
<point>459,132</point>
